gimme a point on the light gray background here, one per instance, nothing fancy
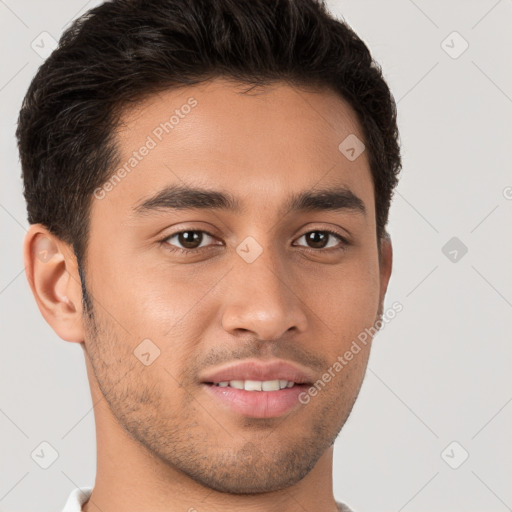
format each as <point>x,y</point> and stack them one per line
<point>439,372</point>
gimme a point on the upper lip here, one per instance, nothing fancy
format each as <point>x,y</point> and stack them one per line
<point>258,370</point>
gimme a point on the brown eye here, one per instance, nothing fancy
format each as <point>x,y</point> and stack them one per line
<point>320,239</point>
<point>317,239</point>
<point>188,240</point>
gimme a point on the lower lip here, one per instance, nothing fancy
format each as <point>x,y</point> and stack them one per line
<point>258,404</point>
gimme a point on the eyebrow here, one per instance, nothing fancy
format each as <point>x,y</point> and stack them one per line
<point>183,197</point>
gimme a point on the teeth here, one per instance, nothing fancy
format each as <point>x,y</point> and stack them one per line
<point>270,385</point>
<point>253,385</point>
<point>257,385</point>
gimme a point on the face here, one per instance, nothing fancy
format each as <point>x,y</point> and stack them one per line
<point>261,267</point>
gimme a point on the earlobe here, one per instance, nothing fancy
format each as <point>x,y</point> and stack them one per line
<point>52,273</point>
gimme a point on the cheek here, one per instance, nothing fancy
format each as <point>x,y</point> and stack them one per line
<point>345,297</point>
<point>153,300</point>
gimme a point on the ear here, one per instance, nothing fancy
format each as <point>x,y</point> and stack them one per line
<point>52,273</point>
<point>386,264</point>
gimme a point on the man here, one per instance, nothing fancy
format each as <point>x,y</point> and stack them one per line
<point>208,186</point>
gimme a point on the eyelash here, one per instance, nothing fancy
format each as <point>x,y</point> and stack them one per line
<point>174,249</point>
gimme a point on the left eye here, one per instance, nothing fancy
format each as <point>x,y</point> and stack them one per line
<point>320,239</point>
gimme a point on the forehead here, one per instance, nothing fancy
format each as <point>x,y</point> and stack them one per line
<point>260,145</point>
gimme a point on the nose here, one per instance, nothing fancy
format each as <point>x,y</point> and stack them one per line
<point>262,298</point>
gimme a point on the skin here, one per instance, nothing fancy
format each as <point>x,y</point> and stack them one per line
<point>162,442</point>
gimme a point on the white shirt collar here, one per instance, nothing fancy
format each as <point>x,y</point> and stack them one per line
<point>77,498</point>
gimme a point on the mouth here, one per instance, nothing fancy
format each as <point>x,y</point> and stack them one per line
<point>256,385</point>
<point>258,389</point>
<point>256,399</point>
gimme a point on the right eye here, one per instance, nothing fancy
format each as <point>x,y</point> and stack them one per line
<point>190,240</point>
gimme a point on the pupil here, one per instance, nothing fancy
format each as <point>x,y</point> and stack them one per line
<point>190,239</point>
<point>318,239</point>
